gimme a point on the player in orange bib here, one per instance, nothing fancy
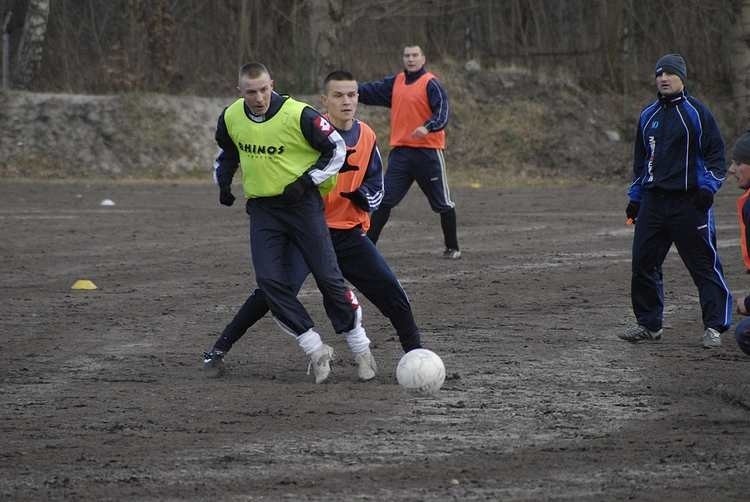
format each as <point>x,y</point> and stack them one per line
<point>419,114</point>
<point>740,169</point>
<point>358,191</point>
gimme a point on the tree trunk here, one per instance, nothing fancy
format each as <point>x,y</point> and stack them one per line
<point>31,45</point>
<point>740,62</point>
<point>160,31</point>
<point>244,33</point>
<point>325,17</point>
<point>613,36</point>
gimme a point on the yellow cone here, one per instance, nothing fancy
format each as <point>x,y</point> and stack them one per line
<point>83,284</point>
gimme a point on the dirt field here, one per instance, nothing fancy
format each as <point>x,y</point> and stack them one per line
<point>102,397</point>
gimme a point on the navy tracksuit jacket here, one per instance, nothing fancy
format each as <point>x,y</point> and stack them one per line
<point>678,151</point>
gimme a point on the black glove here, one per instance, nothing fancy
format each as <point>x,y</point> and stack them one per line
<point>632,210</point>
<point>347,166</point>
<point>358,199</point>
<point>225,196</point>
<point>703,199</point>
<point>294,191</point>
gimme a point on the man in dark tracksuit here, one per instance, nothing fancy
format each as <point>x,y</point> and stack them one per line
<point>358,191</point>
<point>419,114</point>
<point>678,166</point>
<point>285,164</point>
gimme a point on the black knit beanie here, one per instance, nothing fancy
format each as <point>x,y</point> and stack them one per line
<point>741,151</point>
<point>674,64</point>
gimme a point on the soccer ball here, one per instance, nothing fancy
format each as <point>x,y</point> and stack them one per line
<point>421,371</point>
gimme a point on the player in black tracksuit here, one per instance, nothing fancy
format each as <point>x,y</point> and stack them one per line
<point>678,166</point>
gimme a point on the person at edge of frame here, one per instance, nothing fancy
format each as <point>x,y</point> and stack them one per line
<point>740,169</point>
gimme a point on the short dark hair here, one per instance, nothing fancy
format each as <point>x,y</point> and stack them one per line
<point>337,75</point>
<point>418,46</point>
<point>254,70</point>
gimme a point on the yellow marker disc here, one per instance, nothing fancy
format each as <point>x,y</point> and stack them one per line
<point>83,284</point>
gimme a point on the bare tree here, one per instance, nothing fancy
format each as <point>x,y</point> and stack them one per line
<point>31,45</point>
<point>243,32</point>
<point>325,40</point>
<point>740,60</point>
<point>6,50</point>
<point>160,38</point>
<point>189,45</point>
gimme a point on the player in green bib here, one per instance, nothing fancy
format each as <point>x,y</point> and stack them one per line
<point>287,153</point>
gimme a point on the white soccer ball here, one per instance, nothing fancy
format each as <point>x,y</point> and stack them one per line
<point>421,371</point>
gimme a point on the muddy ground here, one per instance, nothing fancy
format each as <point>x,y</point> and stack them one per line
<point>102,396</point>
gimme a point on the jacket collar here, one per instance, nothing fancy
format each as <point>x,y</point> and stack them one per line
<point>276,101</point>
<point>413,76</point>
<point>673,99</point>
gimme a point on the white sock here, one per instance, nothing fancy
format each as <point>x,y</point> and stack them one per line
<point>309,341</point>
<point>357,340</point>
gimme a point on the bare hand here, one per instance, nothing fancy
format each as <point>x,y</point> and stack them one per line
<point>741,306</point>
<point>420,132</point>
